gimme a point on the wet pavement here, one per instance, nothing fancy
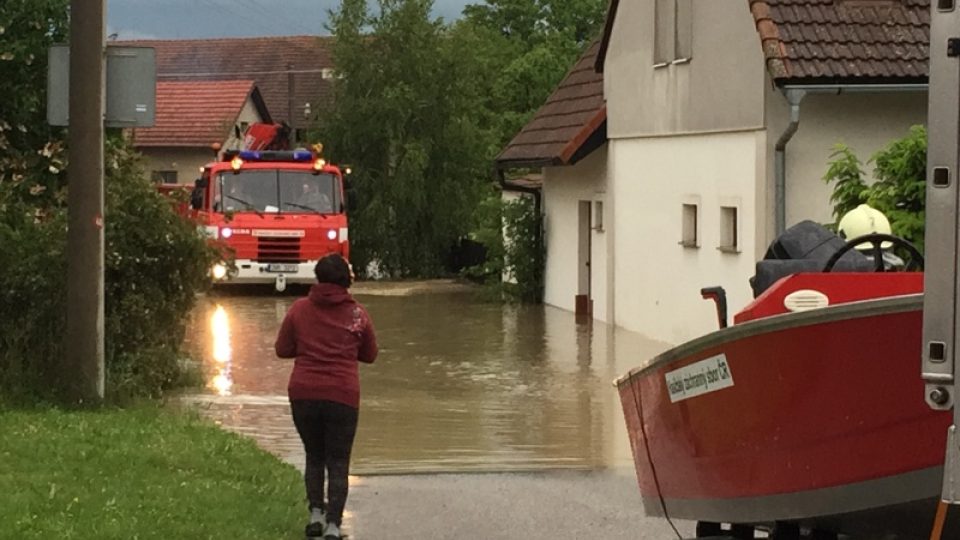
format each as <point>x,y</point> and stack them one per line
<point>461,387</point>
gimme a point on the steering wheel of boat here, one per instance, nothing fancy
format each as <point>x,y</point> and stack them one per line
<point>876,241</point>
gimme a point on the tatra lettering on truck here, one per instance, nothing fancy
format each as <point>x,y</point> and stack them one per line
<point>277,212</point>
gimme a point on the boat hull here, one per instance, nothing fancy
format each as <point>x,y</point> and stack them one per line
<point>820,421</point>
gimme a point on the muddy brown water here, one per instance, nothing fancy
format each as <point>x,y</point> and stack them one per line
<point>460,384</point>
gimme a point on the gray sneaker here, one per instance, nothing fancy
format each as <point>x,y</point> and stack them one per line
<point>332,532</point>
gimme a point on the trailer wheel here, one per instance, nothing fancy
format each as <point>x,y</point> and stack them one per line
<point>707,529</point>
<point>785,531</point>
<point>742,532</point>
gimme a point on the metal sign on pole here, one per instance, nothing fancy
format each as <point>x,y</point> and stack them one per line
<point>131,86</point>
<point>83,373</point>
<point>940,339</point>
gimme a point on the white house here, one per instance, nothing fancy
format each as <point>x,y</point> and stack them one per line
<point>720,119</point>
<point>567,138</point>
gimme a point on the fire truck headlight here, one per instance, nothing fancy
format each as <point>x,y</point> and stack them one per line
<point>332,234</point>
<point>226,232</point>
<point>219,271</point>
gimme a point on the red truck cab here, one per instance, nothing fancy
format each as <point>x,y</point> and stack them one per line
<point>275,213</point>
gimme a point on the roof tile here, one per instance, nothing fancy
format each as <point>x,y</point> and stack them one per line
<point>844,39</point>
<point>264,60</point>
<point>194,114</point>
<point>573,112</point>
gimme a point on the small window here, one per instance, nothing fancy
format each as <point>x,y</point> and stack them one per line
<point>598,216</point>
<point>683,46</point>
<point>729,230</point>
<point>690,217</point>
<point>664,32</point>
<point>673,32</point>
<point>164,177</point>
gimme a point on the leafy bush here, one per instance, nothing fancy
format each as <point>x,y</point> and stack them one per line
<point>900,187</point>
<point>512,233</point>
<point>155,263</point>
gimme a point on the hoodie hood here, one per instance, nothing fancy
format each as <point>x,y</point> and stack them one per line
<point>327,294</point>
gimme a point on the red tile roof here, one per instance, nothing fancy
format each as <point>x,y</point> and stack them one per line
<point>573,115</point>
<point>196,114</point>
<point>265,60</point>
<point>844,40</point>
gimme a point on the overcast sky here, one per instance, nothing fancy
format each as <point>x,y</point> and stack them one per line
<point>133,19</point>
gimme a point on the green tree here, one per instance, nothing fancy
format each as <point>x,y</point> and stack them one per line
<point>155,261</point>
<point>900,187</point>
<point>30,157</point>
<point>409,119</point>
<point>532,43</point>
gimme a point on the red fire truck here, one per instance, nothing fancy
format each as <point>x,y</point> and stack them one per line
<point>276,213</point>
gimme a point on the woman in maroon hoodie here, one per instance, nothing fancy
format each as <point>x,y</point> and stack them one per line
<point>327,333</point>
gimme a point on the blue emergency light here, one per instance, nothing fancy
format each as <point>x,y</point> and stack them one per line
<point>256,155</point>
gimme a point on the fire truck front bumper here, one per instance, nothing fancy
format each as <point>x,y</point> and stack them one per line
<point>279,274</point>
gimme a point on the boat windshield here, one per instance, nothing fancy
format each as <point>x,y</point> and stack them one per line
<point>278,191</point>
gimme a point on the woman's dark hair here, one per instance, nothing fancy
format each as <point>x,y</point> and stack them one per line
<point>334,269</point>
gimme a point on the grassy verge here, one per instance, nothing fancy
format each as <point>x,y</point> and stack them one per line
<point>139,473</point>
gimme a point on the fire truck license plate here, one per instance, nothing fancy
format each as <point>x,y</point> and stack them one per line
<point>289,268</point>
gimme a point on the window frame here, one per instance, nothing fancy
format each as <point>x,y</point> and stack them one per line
<point>158,176</point>
<point>729,241</point>
<point>690,232</point>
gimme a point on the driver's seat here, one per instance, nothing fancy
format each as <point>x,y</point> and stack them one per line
<point>805,247</point>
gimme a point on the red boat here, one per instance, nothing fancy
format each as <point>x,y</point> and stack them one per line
<point>808,414</point>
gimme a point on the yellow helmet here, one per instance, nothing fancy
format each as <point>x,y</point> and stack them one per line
<point>861,221</point>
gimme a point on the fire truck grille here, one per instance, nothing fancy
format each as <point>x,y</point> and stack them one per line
<point>278,250</point>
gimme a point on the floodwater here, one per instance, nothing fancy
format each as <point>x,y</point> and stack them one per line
<point>460,384</point>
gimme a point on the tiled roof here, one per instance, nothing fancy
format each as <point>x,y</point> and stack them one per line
<point>574,113</point>
<point>847,40</point>
<point>196,113</point>
<point>266,60</point>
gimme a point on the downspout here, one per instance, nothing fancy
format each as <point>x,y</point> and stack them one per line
<point>794,97</point>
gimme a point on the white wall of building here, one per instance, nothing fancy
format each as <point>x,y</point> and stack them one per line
<point>563,190</point>
<point>658,280</point>
<point>864,122</point>
<point>720,88</point>
<point>186,161</point>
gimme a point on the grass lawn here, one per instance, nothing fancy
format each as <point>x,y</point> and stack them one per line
<point>140,473</point>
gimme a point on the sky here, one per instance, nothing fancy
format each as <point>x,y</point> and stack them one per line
<point>145,19</point>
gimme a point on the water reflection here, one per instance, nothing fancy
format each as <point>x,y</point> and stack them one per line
<point>222,353</point>
<point>459,385</point>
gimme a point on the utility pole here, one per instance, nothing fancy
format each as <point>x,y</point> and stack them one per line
<point>83,372</point>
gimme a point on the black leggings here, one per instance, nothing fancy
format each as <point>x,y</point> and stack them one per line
<point>327,429</point>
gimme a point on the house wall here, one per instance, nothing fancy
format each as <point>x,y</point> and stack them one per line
<point>719,89</point>
<point>864,122</point>
<point>188,160</point>
<point>563,189</point>
<point>658,280</point>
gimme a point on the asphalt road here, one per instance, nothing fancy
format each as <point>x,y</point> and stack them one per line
<point>544,505</point>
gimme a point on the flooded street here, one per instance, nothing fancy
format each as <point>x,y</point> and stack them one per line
<point>460,385</point>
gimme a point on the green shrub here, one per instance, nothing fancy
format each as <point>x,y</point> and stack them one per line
<point>900,187</point>
<point>512,233</point>
<point>155,264</point>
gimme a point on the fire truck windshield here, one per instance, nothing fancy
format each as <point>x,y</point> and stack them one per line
<point>278,191</point>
